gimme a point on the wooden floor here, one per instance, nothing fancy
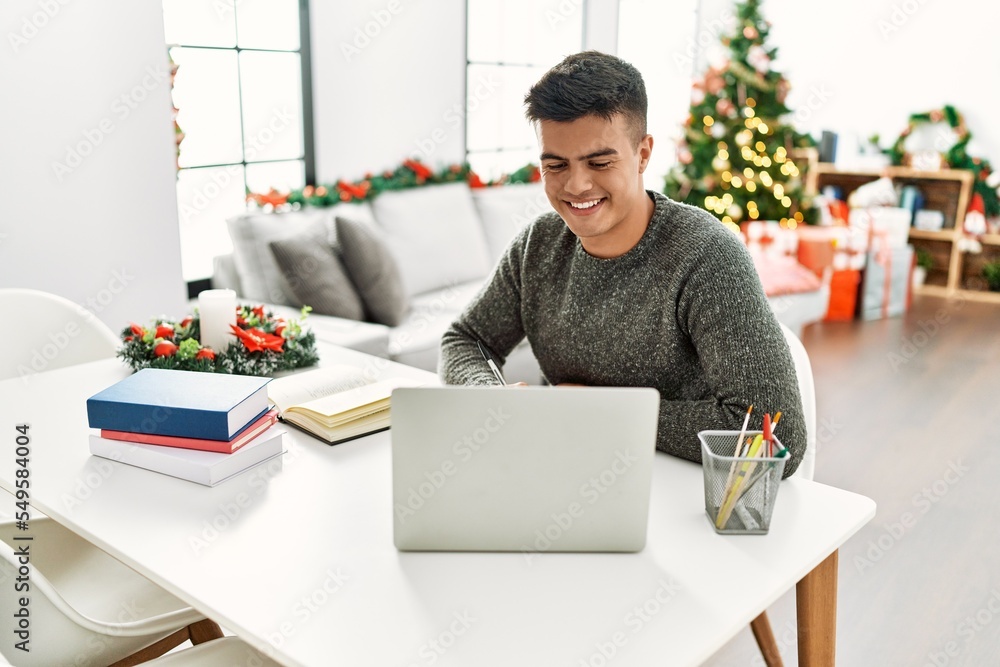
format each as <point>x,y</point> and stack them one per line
<point>909,415</point>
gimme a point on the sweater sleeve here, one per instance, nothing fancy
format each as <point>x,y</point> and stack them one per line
<point>493,317</point>
<point>742,351</point>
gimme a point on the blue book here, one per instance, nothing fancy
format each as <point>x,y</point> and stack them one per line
<point>212,406</point>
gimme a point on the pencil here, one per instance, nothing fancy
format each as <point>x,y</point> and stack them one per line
<point>739,448</point>
<point>729,502</point>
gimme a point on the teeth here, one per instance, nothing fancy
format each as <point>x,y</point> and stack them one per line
<point>587,204</point>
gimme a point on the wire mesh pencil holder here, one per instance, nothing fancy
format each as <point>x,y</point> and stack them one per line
<point>739,491</point>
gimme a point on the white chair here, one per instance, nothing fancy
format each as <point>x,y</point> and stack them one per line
<point>807,389</point>
<point>49,332</point>
<point>86,608</point>
<point>225,651</point>
<point>761,626</point>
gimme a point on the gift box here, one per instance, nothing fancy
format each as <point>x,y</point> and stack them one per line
<point>889,222</point>
<point>843,296</point>
<point>885,288</point>
<point>816,248</point>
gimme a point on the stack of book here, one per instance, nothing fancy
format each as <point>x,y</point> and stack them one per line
<point>203,427</point>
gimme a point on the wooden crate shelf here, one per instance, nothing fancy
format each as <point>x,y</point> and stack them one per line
<point>949,191</point>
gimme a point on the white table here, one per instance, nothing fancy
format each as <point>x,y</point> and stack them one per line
<point>298,560</point>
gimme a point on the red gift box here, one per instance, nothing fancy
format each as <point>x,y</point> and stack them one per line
<point>843,296</point>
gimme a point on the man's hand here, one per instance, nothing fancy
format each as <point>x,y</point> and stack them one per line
<point>518,384</point>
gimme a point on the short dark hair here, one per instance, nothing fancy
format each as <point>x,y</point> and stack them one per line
<point>590,84</point>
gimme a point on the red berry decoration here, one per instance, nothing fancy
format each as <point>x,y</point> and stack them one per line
<point>165,349</point>
<point>205,353</point>
<point>164,331</point>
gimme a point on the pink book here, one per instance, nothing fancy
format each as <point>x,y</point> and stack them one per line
<point>264,422</point>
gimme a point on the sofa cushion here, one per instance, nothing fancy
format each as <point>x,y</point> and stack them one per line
<point>435,235</point>
<point>504,211</point>
<point>417,341</point>
<point>315,275</point>
<point>260,277</point>
<point>373,270</point>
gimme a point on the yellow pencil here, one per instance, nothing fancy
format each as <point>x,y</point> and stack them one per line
<point>739,448</point>
<point>731,494</point>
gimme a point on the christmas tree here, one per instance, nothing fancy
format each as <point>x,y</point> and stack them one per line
<point>735,155</point>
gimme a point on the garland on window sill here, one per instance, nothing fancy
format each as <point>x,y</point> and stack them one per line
<point>410,174</point>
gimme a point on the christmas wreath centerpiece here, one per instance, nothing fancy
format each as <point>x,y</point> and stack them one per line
<point>263,344</point>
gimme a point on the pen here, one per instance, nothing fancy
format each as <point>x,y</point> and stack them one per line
<point>492,364</point>
<point>767,433</point>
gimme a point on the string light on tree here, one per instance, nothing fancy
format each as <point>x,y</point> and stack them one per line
<point>741,147</point>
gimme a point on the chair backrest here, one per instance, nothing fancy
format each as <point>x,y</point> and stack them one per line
<point>68,637</point>
<point>51,332</point>
<point>807,388</point>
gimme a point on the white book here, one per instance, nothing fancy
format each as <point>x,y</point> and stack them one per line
<point>208,468</point>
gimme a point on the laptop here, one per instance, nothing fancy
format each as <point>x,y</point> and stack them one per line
<point>532,469</point>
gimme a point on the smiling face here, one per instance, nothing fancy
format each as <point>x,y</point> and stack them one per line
<point>592,170</point>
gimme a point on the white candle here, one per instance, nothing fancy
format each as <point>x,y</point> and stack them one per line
<point>217,310</point>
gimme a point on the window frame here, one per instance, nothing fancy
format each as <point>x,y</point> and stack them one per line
<point>499,150</point>
<point>308,156</point>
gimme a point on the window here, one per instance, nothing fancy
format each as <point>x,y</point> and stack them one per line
<point>242,94</point>
<point>510,44</point>
<point>660,40</point>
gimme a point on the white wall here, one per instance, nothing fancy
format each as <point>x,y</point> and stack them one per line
<point>103,231</point>
<point>600,32</point>
<point>388,81</point>
<point>657,38</point>
<point>863,66</point>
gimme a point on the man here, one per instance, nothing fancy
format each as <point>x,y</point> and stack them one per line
<point>624,287</point>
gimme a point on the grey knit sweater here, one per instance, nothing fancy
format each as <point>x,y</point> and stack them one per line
<point>683,312</point>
